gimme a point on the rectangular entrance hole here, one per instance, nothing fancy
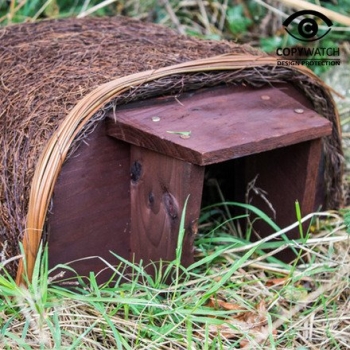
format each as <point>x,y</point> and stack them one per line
<point>283,175</point>
<point>225,182</point>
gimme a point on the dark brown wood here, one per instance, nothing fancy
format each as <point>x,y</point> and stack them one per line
<point>124,190</point>
<point>90,215</point>
<point>225,123</point>
<point>287,174</point>
<point>159,188</point>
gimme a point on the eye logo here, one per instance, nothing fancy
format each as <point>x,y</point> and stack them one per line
<point>307,27</point>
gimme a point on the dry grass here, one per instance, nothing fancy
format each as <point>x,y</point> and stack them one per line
<point>234,296</point>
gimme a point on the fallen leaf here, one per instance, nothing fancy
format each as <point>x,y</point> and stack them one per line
<point>217,303</point>
<point>183,133</point>
<point>251,322</point>
<point>276,281</point>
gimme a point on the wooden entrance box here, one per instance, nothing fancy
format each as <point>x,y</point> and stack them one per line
<point>125,189</point>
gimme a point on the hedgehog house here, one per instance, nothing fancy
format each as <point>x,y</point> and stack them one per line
<point>109,125</point>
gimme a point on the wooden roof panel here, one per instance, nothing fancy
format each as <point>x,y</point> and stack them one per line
<point>213,125</point>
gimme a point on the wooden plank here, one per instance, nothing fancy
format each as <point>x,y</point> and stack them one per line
<point>90,215</point>
<point>287,174</point>
<point>159,188</point>
<point>225,123</point>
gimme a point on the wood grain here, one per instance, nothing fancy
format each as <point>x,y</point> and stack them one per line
<point>159,188</point>
<point>225,123</point>
<point>90,215</point>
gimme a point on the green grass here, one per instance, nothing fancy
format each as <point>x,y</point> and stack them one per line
<point>234,295</point>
